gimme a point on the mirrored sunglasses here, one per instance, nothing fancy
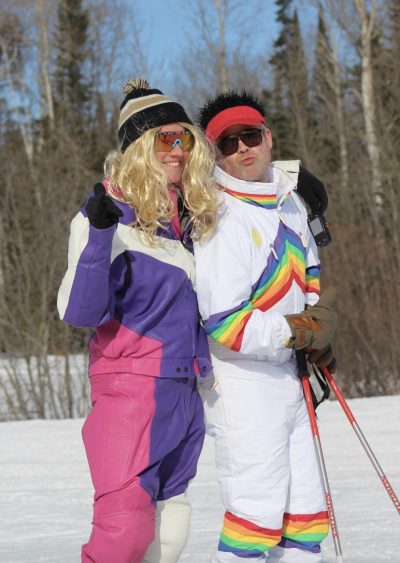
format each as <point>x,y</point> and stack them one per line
<point>166,141</point>
<point>229,145</point>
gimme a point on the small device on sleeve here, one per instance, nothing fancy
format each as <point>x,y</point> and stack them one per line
<point>319,229</point>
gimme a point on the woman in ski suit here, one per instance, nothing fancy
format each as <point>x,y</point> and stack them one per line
<point>131,276</point>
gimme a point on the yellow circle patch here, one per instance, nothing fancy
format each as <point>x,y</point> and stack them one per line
<point>256,237</point>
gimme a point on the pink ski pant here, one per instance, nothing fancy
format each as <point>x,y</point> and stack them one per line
<point>143,438</point>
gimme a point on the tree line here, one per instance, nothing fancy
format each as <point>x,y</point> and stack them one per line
<point>330,87</point>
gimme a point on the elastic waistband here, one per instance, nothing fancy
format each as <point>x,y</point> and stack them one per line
<point>154,367</point>
<point>226,355</point>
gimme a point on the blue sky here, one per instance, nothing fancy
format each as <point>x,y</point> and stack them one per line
<point>166,31</point>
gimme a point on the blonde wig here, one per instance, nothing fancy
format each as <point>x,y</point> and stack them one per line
<point>137,177</point>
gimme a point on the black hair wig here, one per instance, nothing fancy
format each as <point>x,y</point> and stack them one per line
<point>227,100</point>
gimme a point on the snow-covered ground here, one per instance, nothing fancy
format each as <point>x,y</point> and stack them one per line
<point>45,488</point>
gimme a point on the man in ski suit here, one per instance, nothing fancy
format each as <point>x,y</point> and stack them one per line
<point>258,288</point>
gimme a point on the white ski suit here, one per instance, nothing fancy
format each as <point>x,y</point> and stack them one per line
<point>261,264</point>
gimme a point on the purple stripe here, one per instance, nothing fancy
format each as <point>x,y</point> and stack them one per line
<point>177,436</point>
<point>288,544</point>
<point>89,296</point>
<point>313,271</point>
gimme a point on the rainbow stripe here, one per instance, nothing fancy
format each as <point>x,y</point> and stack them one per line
<point>312,280</point>
<point>246,539</point>
<point>268,201</point>
<point>304,531</point>
<point>285,266</point>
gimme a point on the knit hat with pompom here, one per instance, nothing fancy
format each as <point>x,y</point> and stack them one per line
<point>144,108</point>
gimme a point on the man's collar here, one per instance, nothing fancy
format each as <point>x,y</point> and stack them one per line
<point>227,181</point>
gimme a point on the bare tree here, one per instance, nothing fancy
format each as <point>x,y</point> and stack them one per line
<point>47,170</point>
<point>362,262</point>
<point>221,9</point>
<point>328,91</point>
<point>368,28</point>
<point>44,13</point>
<point>220,54</point>
<point>12,47</point>
<point>361,21</point>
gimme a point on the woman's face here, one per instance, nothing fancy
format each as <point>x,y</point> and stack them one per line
<point>172,161</point>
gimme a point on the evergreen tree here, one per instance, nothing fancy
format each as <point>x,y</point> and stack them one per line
<point>298,88</point>
<point>277,99</point>
<point>72,87</point>
<point>102,132</point>
<point>289,96</point>
<point>325,101</point>
<point>279,120</point>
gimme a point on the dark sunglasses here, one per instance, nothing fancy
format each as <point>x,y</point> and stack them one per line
<point>166,141</point>
<point>229,145</point>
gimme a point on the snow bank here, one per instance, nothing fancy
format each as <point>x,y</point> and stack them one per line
<point>46,494</point>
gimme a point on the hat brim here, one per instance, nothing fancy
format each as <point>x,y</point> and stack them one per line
<point>238,115</point>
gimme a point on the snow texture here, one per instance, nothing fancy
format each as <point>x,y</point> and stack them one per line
<point>46,493</point>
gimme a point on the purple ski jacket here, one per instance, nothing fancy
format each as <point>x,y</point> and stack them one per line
<point>139,297</point>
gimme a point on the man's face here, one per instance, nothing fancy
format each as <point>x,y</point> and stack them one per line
<point>248,163</point>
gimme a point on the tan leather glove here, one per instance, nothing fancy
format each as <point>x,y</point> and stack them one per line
<point>322,358</point>
<point>315,327</point>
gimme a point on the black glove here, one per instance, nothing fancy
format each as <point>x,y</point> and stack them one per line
<point>101,210</point>
<point>312,191</point>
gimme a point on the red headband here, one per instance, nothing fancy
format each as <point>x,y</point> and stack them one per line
<point>243,115</point>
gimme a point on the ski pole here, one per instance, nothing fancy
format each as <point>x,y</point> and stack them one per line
<point>361,437</point>
<point>303,374</point>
